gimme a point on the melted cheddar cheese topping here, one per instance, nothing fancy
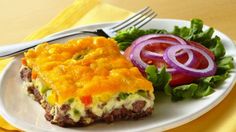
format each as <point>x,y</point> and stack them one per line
<point>91,66</point>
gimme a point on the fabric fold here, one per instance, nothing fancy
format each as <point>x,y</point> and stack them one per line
<point>66,18</point>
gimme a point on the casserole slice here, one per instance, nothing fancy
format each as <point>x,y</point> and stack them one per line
<point>85,81</point>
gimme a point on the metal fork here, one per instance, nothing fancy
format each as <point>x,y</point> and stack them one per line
<point>137,20</point>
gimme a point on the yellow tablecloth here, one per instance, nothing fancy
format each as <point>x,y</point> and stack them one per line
<point>221,119</point>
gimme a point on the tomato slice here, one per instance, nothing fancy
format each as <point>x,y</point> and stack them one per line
<point>202,47</point>
<point>177,78</point>
<point>180,79</point>
<point>203,60</point>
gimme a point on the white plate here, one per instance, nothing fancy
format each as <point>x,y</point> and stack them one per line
<point>20,110</point>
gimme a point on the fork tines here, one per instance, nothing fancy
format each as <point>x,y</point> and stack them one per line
<point>137,20</point>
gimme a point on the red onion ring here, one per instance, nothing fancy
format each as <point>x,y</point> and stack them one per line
<point>137,60</point>
<point>154,55</point>
<point>162,38</point>
<point>159,37</point>
<point>170,58</point>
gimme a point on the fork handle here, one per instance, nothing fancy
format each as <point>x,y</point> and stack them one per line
<point>11,50</point>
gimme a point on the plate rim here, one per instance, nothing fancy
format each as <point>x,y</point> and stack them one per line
<point>167,126</point>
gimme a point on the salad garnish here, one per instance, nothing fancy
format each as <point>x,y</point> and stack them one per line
<point>187,62</point>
